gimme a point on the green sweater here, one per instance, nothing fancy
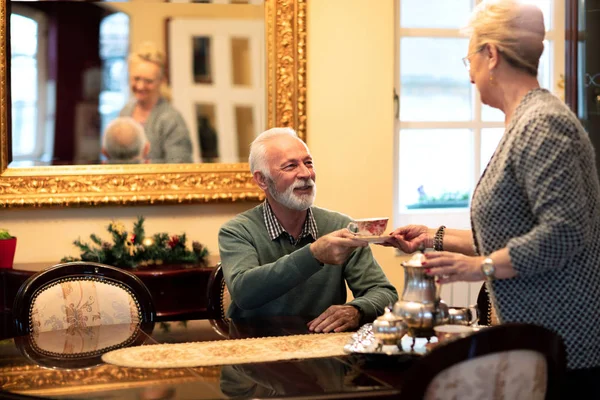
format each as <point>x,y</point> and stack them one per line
<point>274,277</point>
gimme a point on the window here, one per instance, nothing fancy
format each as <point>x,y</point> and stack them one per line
<point>29,110</point>
<point>114,46</point>
<point>445,136</point>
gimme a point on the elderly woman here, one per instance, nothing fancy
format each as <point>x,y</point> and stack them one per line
<point>535,213</point>
<point>164,126</point>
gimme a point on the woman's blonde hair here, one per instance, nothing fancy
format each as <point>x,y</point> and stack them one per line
<point>148,52</point>
<point>516,29</point>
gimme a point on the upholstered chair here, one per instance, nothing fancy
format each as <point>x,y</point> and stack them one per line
<point>510,361</point>
<point>219,300</point>
<point>79,310</point>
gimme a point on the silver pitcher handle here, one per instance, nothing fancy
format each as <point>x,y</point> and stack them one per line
<point>474,314</point>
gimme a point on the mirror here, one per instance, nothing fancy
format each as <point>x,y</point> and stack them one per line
<point>284,73</point>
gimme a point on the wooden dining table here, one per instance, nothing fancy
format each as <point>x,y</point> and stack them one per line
<point>26,374</point>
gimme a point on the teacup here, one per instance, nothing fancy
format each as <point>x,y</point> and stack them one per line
<point>368,226</point>
<point>447,333</point>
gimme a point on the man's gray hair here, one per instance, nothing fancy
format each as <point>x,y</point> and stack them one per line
<point>124,139</point>
<point>258,149</point>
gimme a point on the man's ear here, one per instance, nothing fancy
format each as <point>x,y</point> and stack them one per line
<point>261,180</point>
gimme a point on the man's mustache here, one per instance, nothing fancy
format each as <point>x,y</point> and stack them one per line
<point>303,183</point>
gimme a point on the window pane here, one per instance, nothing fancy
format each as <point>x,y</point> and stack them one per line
<point>24,118</point>
<point>545,68</point>
<point>434,13</point>
<point>489,140</point>
<point>23,35</point>
<point>436,168</point>
<point>241,63</point>
<point>546,7</point>
<point>428,90</point>
<point>114,47</point>
<point>207,134</point>
<point>246,131</point>
<point>201,59</point>
<point>490,114</point>
<point>24,83</point>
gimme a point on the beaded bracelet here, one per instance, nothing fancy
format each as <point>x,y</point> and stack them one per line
<point>438,239</point>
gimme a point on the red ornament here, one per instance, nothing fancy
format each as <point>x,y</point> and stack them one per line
<point>174,241</point>
<point>133,238</point>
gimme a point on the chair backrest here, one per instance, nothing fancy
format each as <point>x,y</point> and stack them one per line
<point>79,295</point>
<point>509,361</point>
<point>219,300</point>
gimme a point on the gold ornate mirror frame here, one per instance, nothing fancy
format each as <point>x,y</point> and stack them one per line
<point>76,186</point>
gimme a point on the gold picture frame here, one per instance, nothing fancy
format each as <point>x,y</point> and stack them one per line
<point>96,185</point>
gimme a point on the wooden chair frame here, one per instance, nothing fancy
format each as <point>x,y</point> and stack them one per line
<point>501,338</point>
<point>80,270</point>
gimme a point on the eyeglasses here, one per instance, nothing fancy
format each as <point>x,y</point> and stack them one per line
<point>467,60</point>
<point>146,81</point>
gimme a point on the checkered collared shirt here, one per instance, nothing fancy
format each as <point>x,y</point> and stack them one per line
<point>275,228</point>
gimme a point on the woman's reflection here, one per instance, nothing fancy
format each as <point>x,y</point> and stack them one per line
<point>164,126</point>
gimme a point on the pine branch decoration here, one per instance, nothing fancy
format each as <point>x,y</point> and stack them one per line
<point>135,250</point>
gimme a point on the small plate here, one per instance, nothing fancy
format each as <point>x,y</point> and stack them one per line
<point>373,239</point>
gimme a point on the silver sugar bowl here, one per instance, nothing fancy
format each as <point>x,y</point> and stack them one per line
<point>389,329</point>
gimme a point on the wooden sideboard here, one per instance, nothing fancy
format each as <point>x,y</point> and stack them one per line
<point>179,292</point>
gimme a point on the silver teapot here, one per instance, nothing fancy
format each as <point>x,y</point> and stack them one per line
<point>420,305</point>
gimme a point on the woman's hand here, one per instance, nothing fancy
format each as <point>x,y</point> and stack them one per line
<point>453,267</point>
<point>409,238</point>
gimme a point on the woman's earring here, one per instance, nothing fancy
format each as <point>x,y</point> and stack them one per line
<point>492,80</point>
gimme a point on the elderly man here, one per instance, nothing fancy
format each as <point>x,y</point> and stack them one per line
<point>125,142</point>
<point>287,257</point>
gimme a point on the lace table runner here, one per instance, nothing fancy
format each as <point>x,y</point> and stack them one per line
<point>223,352</point>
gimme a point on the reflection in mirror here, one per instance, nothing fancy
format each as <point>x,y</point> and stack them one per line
<point>283,74</point>
<point>70,77</point>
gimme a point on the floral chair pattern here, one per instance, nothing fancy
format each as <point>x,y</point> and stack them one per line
<point>510,375</point>
<point>91,314</point>
<point>80,308</point>
<point>78,305</point>
<point>507,361</point>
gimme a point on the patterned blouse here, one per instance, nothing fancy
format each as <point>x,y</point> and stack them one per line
<point>540,197</point>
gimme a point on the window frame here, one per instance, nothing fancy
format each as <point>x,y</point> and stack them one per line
<point>476,124</point>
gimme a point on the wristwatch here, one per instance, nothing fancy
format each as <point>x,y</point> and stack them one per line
<point>488,269</point>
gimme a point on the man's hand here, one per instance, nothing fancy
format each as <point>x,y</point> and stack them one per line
<point>336,247</point>
<point>336,318</point>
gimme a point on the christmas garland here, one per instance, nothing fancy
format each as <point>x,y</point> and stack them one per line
<point>135,249</point>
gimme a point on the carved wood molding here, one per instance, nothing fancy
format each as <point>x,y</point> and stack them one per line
<point>286,23</point>
<point>96,185</point>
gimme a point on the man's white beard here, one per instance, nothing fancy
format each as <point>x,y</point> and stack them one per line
<point>289,199</point>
